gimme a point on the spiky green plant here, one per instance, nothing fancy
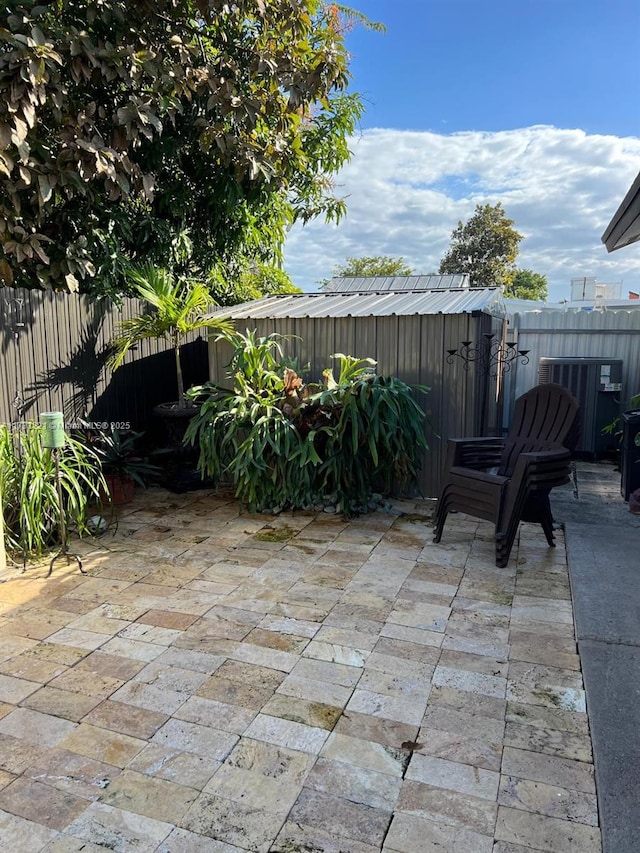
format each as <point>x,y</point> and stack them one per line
<point>180,307</point>
<point>284,447</point>
<point>255,363</point>
<point>30,501</point>
<point>119,454</point>
<point>376,436</point>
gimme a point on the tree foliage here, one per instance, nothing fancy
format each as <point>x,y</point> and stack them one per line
<point>485,247</point>
<point>527,284</point>
<point>384,265</point>
<point>231,284</point>
<point>183,132</point>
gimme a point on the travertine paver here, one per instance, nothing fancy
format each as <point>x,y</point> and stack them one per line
<point>118,829</point>
<point>174,765</point>
<point>61,703</point>
<point>409,832</point>
<point>146,795</point>
<point>221,683</point>
<point>73,773</point>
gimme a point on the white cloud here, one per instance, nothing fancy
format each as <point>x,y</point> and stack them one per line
<point>407,190</point>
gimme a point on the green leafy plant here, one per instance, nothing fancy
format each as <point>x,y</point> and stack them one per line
<point>179,307</point>
<point>254,363</point>
<point>30,501</point>
<point>287,444</point>
<point>614,428</point>
<point>119,454</point>
<point>376,432</point>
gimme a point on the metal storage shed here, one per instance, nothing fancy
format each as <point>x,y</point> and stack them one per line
<point>408,333</point>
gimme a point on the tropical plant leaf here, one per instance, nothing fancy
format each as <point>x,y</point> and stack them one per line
<point>361,433</point>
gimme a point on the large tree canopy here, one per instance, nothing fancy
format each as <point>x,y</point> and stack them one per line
<point>486,247</point>
<point>178,131</point>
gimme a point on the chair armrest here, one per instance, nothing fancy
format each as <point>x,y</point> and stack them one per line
<point>542,469</point>
<point>478,476</point>
<point>476,453</point>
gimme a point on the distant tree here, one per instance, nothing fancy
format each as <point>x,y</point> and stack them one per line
<point>527,284</point>
<point>370,266</point>
<point>231,285</point>
<point>182,132</point>
<point>485,247</point>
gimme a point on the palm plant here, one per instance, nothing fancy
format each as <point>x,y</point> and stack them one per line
<point>180,308</point>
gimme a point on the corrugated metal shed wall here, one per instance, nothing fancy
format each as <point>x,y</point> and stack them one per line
<point>412,347</point>
<point>53,348</point>
<point>595,334</point>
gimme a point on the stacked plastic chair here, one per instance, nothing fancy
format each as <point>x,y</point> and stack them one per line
<point>507,481</point>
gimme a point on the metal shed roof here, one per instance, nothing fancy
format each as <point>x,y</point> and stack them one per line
<point>395,282</point>
<point>487,300</point>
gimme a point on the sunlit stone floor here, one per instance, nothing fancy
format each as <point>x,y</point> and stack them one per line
<point>224,682</point>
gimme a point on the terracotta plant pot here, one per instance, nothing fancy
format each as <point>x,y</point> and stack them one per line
<point>121,488</point>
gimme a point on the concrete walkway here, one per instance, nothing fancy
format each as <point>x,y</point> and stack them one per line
<point>603,546</point>
<point>224,683</point>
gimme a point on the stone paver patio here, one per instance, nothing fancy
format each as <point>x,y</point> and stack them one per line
<point>223,682</point>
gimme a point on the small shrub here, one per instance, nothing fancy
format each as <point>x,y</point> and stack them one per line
<point>119,454</point>
<point>30,502</point>
<point>287,444</point>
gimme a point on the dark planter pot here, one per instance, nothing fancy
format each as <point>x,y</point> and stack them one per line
<point>121,489</point>
<point>180,473</point>
<point>175,421</point>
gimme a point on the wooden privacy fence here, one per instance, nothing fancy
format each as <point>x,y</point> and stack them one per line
<point>53,352</point>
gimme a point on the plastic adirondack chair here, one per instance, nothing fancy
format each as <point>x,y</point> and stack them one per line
<point>508,481</point>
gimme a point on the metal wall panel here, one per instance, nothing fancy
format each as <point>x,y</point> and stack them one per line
<point>53,347</point>
<point>382,304</point>
<point>412,347</point>
<point>395,282</point>
<point>593,334</point>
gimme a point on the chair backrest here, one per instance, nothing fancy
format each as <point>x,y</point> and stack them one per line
<point>547,413</point>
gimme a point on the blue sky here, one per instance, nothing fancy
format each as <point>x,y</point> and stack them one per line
<point>530,102</point>
<point>448,65</point>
